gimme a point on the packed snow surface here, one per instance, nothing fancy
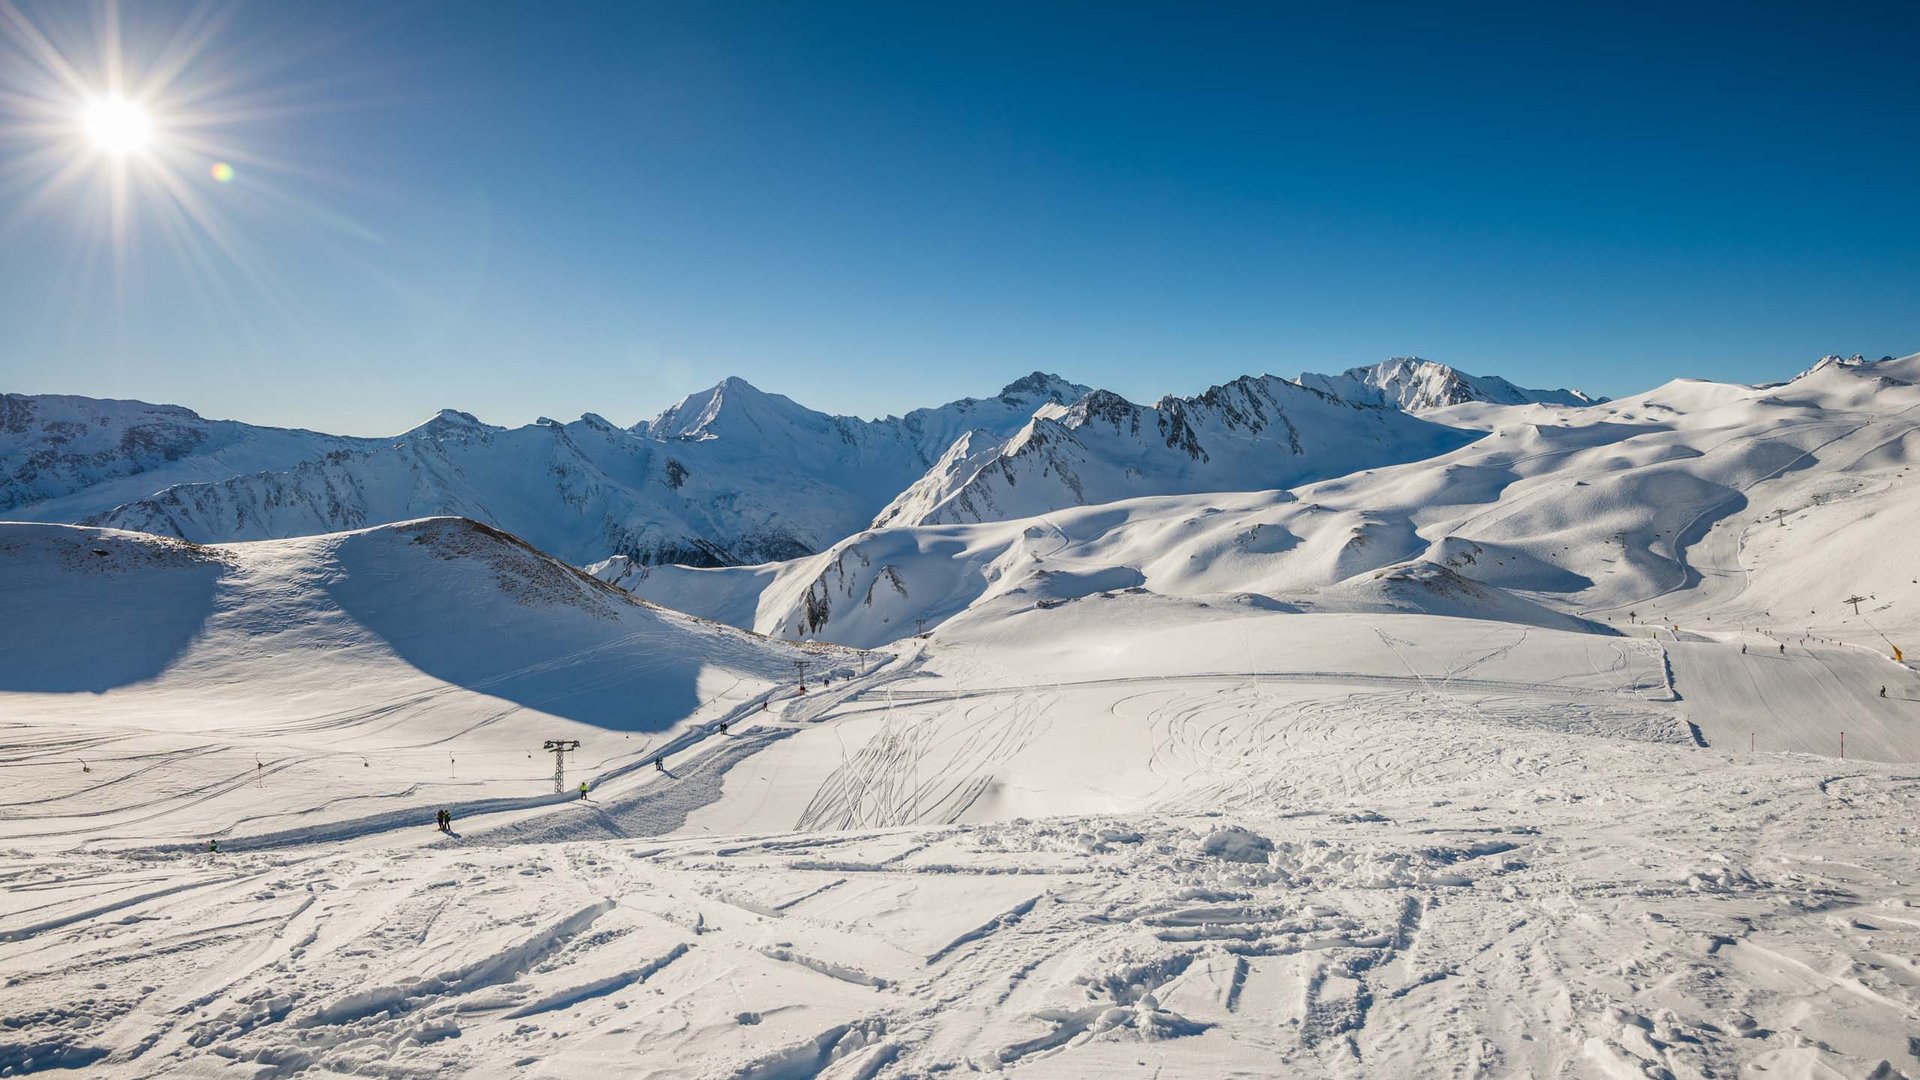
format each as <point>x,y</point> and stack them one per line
<point>1522,760</point>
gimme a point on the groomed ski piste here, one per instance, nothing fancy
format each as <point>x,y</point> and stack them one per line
<point>1523,760</point>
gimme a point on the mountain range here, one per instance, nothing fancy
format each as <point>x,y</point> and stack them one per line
<point>1565,516</point>
<point>731,475</point>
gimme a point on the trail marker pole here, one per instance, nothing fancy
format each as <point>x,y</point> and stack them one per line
<point>1843,746</point>
<point>558,748</point>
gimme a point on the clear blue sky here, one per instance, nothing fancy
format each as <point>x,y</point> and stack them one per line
<point>525,209</point>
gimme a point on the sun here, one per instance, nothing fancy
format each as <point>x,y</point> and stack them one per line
<point>117,126</point>
<point>126,129</point>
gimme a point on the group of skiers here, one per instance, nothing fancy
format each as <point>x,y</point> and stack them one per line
<point>445,819</point>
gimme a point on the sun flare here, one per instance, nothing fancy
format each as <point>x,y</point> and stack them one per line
<point>117,126</point>
<point>130,131</point>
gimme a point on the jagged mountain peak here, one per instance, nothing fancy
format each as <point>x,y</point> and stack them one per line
<point>1904,369</point>
<point>1041,385</point>
<point>452,424</point>
<point>1103,403</point>
<point>730,404</point>
<point>1416,384</point>
<point>1835,360</point>
<point>1252,433</point>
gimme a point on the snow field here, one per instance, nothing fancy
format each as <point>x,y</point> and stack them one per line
<point>1244,840</point>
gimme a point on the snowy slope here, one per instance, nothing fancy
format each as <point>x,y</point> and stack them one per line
<point>1126,837</point>
<point>354,665</point>
<point>729,475</point>
<point>1249,434</point>
<point>64,458</point>
<point>1416,385</point>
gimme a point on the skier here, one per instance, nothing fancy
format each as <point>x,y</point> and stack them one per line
<point>213,847</point>
<point>1883,691</point>
<point>1783,648</point>
<point>583,790</point>
<point>1743,650</point>
<point>659,765</point>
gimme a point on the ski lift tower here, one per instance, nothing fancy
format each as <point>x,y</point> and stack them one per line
<point>558,748</point>
<point>800,669</point>
<point>1856,600</point>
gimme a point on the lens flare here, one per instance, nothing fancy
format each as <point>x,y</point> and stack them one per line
<point>222,172</point>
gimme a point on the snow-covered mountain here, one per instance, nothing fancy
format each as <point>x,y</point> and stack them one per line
<point>1584,512</point>
<point>1247,435</point>
<point>64,458</point>
<point>1416,385</point>
<point>729,475</point>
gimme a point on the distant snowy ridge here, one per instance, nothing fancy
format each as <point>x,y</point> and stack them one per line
<point>729,475</point>
<point>1247,435</point>
<point>1416,385</point>
<point>63,458</point>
